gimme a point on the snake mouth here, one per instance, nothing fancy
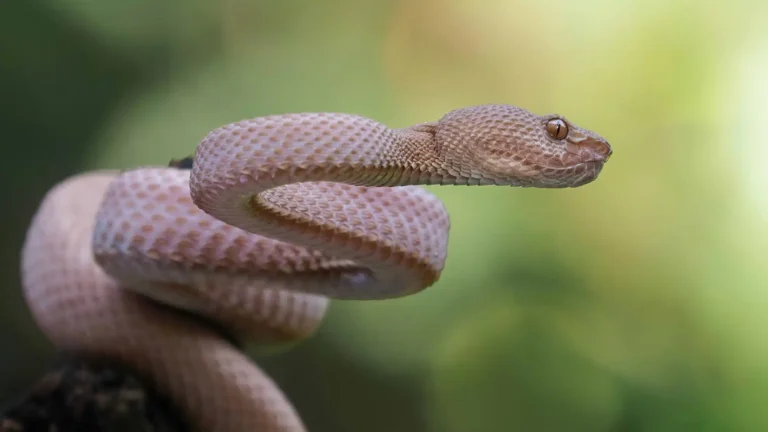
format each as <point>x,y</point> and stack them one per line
<point>557,170</point>
<point>574,175</point>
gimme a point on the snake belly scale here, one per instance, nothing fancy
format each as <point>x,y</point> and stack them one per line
<point>275,216</point>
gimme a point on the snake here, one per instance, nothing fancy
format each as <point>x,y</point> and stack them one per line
<point>167,268</point>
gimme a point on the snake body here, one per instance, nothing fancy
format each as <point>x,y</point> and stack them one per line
<point>276,216</point>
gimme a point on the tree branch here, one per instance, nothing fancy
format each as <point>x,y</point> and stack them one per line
<point>85,396</point>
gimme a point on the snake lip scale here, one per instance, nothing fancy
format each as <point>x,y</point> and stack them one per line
<point>270,219</point>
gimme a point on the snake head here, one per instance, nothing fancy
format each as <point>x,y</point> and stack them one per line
<point>505,144</point>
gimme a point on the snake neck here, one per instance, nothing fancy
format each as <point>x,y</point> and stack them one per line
<point>423,160</point>
<point>418,159</point>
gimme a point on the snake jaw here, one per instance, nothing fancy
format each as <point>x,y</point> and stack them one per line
<point>591,154</point>
<point>574,166</point>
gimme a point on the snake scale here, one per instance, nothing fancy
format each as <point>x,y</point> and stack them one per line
<point>274,217</point>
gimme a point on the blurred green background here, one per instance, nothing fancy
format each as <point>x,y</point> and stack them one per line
<point>636,303</point>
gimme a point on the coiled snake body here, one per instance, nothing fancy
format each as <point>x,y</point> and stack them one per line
<point>276,215</point>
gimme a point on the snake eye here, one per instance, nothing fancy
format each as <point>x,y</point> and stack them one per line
<point>557,129</point>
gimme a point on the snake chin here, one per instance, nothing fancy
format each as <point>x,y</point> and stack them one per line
<point>591,170</point>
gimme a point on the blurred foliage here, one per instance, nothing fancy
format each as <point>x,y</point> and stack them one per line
<point>634,303</point>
